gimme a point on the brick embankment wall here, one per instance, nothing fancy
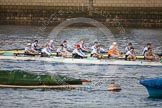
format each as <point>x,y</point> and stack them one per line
<point>129,13</point>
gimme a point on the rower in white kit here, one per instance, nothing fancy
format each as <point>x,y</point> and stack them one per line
<point>29,50</point>
<point>46,51</point>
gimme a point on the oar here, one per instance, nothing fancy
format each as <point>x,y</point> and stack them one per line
<point>13,49</point>
<point>8,54</point>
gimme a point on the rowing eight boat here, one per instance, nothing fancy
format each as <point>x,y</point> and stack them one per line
<point>83,61</point>
<point>17,52</point>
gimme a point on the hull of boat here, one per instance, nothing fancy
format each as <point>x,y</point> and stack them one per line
<point>82,61</point>
<point>154,87</point>
<point>17,52</point>
<point>13,51</point>
<point>154,92</point>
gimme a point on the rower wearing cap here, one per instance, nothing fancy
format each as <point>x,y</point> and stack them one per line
<point>36,46</point>
<point>128,47</point>
<point>77,53</point>
<point>61,51</point>
<point>82,47</point>
<point>96,52</point>
<point>130,55</point>
<point>29,50</point>
<point>146,48</point>
<point>51,45</point>
<point>46,51</point>
<point>113,51</point>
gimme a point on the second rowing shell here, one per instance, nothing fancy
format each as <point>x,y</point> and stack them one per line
<point>83,61</point>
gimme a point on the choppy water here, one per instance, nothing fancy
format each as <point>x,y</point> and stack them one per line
<point>93,95</point>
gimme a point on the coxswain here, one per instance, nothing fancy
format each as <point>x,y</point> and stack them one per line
<point>96,52</point>
<point>146,48</point>
<point>149,55</point>
<point>46,51</point>
<point>128,47</point>
<point>77,52</point>
<point>36,46</point>
<point>61,51</point>
<point>29,50</point>
<point>130,55</point>
<point>113,51</point>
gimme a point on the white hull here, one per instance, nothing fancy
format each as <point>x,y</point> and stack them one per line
<point>83,61</point>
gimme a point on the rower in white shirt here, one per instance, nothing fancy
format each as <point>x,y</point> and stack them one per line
<point>61,51</point>
<point>46,51</point>
<point>96,52</point>
<point>51,45</point>
<point>35,46</point>
<point>102,50</point>
<point>94,46</point>
<point>130,55</point>
<point>29,50</point>
<point>66,46</point>
<point>127,48</point>
<point>146,48</point>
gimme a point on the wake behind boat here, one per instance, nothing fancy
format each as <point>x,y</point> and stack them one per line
<point>89,60</point>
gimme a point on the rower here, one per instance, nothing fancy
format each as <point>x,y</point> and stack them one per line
<point>96,52</point>
<point>149,55</point>
<point>65,44</point>
<point>61,51</point>
<point>130,55</point>
<point>46,51</point>
<point>82,47</point>
<point>94,46</point>
<point>29,50</point>
<point>77,53</point>
<point>102,50</point>
<point>113,51</point>
<point>51,45</point>
<point>128,47</point>
<point>36,46</point>
<point>146,48</point>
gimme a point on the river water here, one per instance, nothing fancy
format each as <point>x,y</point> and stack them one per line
<point>93,95</point>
